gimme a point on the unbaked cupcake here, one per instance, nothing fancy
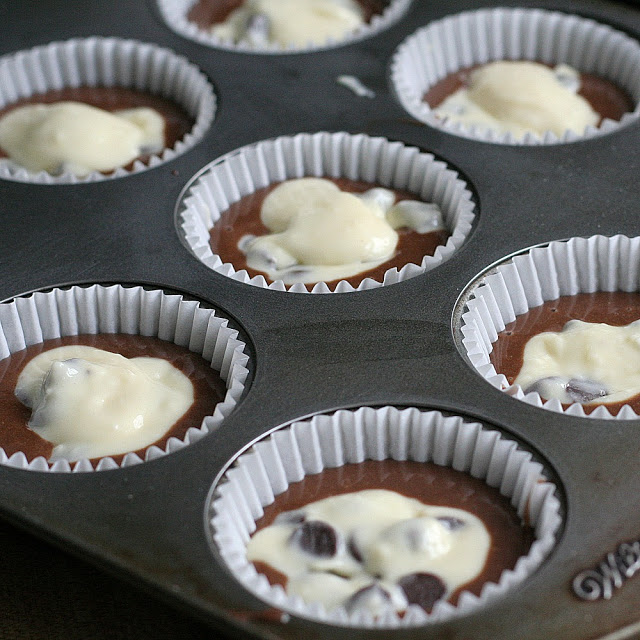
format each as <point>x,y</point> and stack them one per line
<point>373,459</point>
<point>557,327</point>
<point>325,213</point>
<point>474,74</point>
<point>102,377</point>
<point>97,108</point>
<point>279,26</point>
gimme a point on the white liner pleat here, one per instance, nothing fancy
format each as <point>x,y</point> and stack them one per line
<point>578,265</point>
<point>132,310</point>
<point>106,62</point>
<point>305,448</point>
<point>174,14</point>
<point>478,37</point>
<point>334,155</point>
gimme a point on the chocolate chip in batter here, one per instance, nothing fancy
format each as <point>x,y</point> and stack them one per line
<point>568,80</point>
<point>299,272</point>
<point>575,389</point>
<point>580,390</point>
<point>415,534</point>
<point>317,538</point>
<point>371,598</point>
<point>354,550</point>
<point>451,523</point>
<point>423,589</point>
<point>544,385</point>
<point>258,28</point>
<point>291,517</point>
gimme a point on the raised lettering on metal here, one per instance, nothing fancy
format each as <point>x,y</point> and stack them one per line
<point>617,567</point>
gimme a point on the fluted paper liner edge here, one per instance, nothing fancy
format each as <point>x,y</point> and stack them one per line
<point>108,62</point>
<point>358,157</point>
<point>174,14</point>
<point>477,37</point>
<point>96,309</point>
<point>561,268</point>
<point>307,447</point>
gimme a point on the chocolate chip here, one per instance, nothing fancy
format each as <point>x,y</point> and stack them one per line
<point>423,589</point>
<point>573,390</point>
<point>76,366</point>
<point>317,538</point>
<point>422,217</point>
<point>258,28</point>
<point>567,78</point>
<point>378,196</point>
<point>148,149</point>
<point>245,242</point>
<point>415,535</point>
<point>264,258</point>
<point>451,523</point>
<point>584,390</point>
<point>458,109</point>
<point>263,254</point>
<point>354,550</point>
<point>298,272</point>
<point>290,517</point>
<point>544,386</point>
<point>372,598</point>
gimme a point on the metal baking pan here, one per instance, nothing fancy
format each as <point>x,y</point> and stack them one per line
<point>393,345</point>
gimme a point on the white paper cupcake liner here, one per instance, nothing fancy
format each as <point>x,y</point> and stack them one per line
<point>174,13</point>
<point>478,37</point>
<point>578,265</point>
<point>106,62</point>
<point>96,309</point>
<point>334,155</point>
<point>305,448</point>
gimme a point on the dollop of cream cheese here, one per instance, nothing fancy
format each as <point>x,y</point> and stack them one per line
<point>584,355</point>
<point>290,22</point>
<point>92,403</point>
<point>393,536</point>
<point>76,137</point>
<point>320,233</point>
<point>521,97</point>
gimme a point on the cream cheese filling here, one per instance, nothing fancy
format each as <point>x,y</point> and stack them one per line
<point>521,97</point>
<point>92,403</point>
<point>320,233</point>
<point>290,22</point>
<point>79,138</point>
<point>600,359</point>
<point>394,536</point>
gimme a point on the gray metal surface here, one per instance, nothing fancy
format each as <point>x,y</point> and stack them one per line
<point>317,353</point>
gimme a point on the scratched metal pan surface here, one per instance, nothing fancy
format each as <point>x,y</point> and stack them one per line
<point>318,353</point>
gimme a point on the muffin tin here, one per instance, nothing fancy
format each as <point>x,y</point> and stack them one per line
<point>310,354</point>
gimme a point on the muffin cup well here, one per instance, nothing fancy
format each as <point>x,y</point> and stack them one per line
<point>31,319</point>
<point>563,268</point>
<point>174,14</point>
<point>477,37</point>
<point>106,62</point>
<point>333,155</point>
<point>286,456</point>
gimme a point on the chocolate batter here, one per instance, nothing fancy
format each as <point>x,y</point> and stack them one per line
<point>429,483</point>
<point>177,121</point>
<point>208,12</point>
<point>605,98</point>
<point>614,308</point>
<point>209,388</point>
<point>243,217</point>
